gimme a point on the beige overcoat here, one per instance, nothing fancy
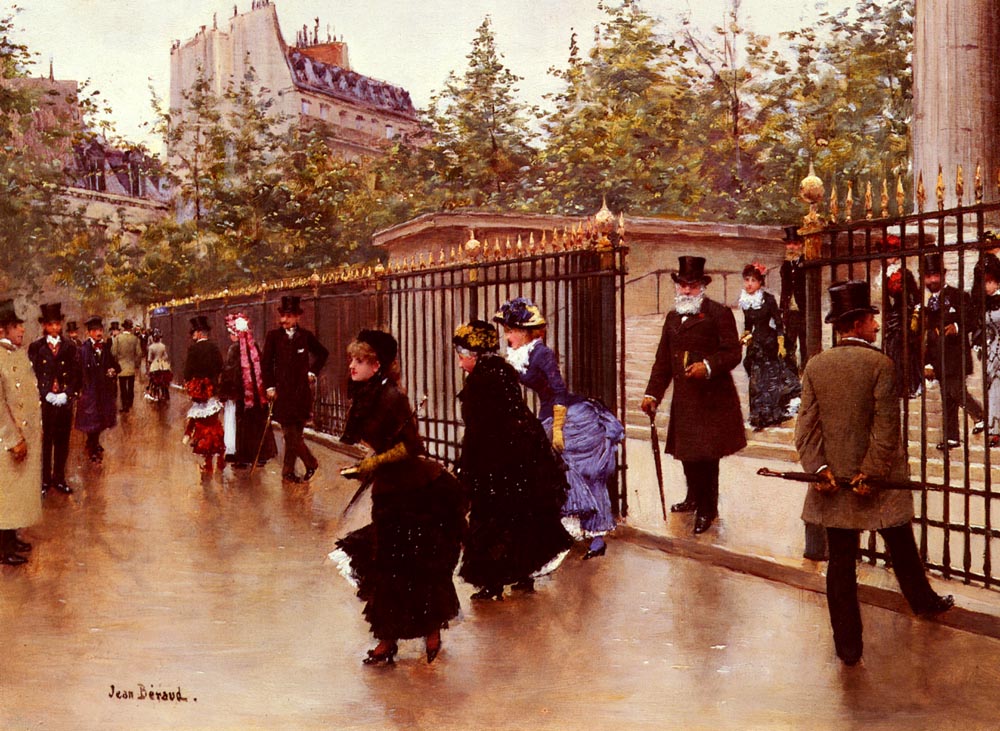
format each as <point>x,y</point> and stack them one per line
<point>127,350</point>
<point>849,421</point>
<point>20,418</point>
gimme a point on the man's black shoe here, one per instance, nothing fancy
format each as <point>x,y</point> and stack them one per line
<point>688,506</point>
<point>21,546</point>
<point>294,479</point>
<point>12,559</point>
<point>702,523</point>
<point>948,444</point>
<point>309,473</point>
<point>940,604</point>
<point>63,488</point>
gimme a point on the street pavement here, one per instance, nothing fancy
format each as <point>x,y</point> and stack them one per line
<point>151,579</point>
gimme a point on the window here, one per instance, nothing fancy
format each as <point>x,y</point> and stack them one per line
<point>324,111</point>
<point>390,132</point>
<point>306,106</point>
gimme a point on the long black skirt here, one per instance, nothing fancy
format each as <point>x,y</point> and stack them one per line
<point>403,562</point>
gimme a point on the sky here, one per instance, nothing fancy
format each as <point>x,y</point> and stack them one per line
<point>123,46</point>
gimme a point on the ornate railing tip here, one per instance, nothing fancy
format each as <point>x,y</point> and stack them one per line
<point>884,198</point>
<point>959,184</point>
<point>900,196</point>
<point>922,191</point>
<point>978,183</point>
<point>868,200</point>
<point>939,188</point>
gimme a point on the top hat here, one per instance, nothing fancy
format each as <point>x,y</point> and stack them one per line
<point>382,343</point>
<point>849,298</point>
<point>991,267</point>
<point>8,315</point>
<point>933,264</point>
<point>290,305</point>
<point>199,323</point>
<point>115,325</point>
<point>93,322</point>
<point>51,312</point>
<point>127,324</point>
<point>478,336</point>
<point>792,235</point>
<point>691,271</point>
<point>71,326</point>
<point>519,312</point>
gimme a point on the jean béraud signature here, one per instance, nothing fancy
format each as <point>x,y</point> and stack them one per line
<point>142,692</point>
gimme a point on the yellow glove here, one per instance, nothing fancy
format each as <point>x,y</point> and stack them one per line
<point>558,419</point>
<point>746,337</point>
<point>368,465</point>
<point>860,485</point>
<point>782,353</point>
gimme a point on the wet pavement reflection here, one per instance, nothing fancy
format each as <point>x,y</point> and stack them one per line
<point>216,593</point>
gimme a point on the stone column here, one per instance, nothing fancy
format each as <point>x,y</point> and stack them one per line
<point>956,92</point>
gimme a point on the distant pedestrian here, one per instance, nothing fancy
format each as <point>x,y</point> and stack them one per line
<point>20,439</point>
<point>242,388</point>
<point>947,324</point>
<point>515,484</point>
<point>158,368</point>
<point>774,387</point>
<point>56,361</point>
<point>987,342</point>
<point>128,352</point>
<point>793,299</point>
<point>899,339</point>
<point>293,357</point>
<point>699,347</point>
<point>201,380</point>
<point>582,430</point>
<point>97,408</point>
<point>849,430</point>
<point>73,334</point>
<point>403,562</point>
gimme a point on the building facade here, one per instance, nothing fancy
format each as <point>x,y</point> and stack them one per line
<point>311,82</point>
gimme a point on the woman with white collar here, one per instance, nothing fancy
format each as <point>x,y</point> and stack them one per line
<point>583,430</point>
<point>774,388</point>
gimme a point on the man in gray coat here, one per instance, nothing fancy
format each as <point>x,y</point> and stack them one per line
<point>127,350</point>
<point>848,431</point>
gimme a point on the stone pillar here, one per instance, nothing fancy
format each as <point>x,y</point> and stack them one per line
<point>956,92</point>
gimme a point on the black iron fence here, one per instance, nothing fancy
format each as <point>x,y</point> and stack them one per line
<point>955,510</point>
<point>578,285</point>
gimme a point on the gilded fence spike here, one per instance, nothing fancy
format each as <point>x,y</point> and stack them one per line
<point>868,200</point>
<point>542,243</point>
<point>531,242</point>
<point>497,253</point>
<point>849,202</point>
<point>834,208</point>
<point>922,192</point>
<point>959,185</point>
<point>978,184</point>
<point>621,225</point>
<point>939,188</point>
<point>884,198</point>
<point>998,181</point>
<point>900,196</point>
<point>509,249</point>
<point>520,246</point>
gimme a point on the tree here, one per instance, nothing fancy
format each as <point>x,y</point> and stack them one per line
<point>480,148</point>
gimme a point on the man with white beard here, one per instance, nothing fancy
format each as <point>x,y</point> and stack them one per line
<point>699,347</point>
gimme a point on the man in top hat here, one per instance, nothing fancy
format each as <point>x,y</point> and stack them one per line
<point>848,431</point>
<point>73,334</point>
<point>792,301</point>
<point>20,434</point>
<point>56,361</point>
<point>947,323</point>
<point>699,347</point>
<point>97,407</point>
<point>128,352</point>
<point>292,358</point>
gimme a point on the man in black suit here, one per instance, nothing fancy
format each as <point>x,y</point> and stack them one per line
<point>56,362</point>
<point>948,320</point>
<point>292,358</point>
<point>699,347</point>
<point>792,302</point>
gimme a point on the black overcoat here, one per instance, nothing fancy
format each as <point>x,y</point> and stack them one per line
<point>706,421</point>
<point>286,365</point>
<point>97,408</point>
<point>948,354</point>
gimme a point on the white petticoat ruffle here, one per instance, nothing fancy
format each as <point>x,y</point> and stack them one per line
<point>204,409</point>
<point>343,561</point>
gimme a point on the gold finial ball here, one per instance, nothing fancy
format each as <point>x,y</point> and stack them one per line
<point>604,218</point>
<point>472,246</point>
<point>811,188</point>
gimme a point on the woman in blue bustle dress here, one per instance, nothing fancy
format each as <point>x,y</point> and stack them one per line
<point>403,562</point>
<point>515,484</point>
<point>774,386</point>
<point>582,430</point>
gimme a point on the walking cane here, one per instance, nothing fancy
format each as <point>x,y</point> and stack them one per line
<point>263,437</point>
<point>814,477</point>
<point>654,439</point>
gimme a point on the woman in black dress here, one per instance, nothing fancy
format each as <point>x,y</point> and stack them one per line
<point>901,297</point>
<point>773,385</point>
<point>515,484</point>
<point>403,562</point>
